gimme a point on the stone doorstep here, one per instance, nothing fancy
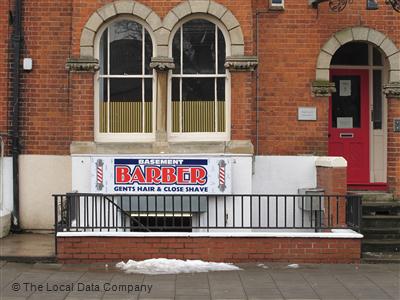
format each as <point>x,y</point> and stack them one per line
<point>372,196</point>
<point>381,257</point>
<point>29,259</point>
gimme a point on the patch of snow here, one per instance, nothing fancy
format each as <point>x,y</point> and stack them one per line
<point>376,254</point>
<point>293,266</point>
<point>173,266</point>
<point>262,266</point>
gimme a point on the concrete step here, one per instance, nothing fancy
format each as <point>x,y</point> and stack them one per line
<point>381,208</point>
<point>373,196</point>
<point>381,233</point>
<point>380,221</point>
<point>380,257</point>
<point>377,245</point>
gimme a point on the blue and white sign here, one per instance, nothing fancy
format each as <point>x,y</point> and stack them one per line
<point>161,175</point>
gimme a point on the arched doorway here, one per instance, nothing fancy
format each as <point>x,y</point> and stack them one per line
<point>358,113</point>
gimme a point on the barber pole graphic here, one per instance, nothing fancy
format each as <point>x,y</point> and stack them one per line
<point>222,185</point>
<point>99,174</point>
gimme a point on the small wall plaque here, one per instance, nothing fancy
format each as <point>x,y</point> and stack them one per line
<point>396,125</point>
<point>345,88</point>
<point>307,114</point>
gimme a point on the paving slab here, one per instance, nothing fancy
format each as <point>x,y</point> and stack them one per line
<point>27,245</point>
<point>254,281</point>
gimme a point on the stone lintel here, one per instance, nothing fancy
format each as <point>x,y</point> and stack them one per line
<point>322,88</point>
<point>82,64</point>
<point>392,90</point>
<point>241,63</point>
<point>164,147</point>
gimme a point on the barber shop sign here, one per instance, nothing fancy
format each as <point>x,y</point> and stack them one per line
<point>161,175</point>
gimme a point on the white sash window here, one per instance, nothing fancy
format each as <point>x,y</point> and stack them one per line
<point>199,84</point>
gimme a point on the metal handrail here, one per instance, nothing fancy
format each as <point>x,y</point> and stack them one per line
<point>105,212</point>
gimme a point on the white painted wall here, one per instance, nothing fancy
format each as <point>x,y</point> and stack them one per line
<point>40,177</point>
<point>264,175</point>
<point>270,175</point>
<point>7,189</point>
<point>6,195</point>
<point>81,174</point>
<point>241,184</point>
<point>283,175</point>
<point>242,175</point>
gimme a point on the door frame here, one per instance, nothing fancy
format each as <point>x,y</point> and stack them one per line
<point>364,131</point>
<point>375,183</point>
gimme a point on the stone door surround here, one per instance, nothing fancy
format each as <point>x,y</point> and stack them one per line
<point>322,86</point>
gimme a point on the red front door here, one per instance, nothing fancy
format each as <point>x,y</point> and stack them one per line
<point>349,123</point>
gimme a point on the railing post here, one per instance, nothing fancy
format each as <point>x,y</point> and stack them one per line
<point>359,212</point>
<point>56,222</point>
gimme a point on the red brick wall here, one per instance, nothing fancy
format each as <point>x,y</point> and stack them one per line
<point>58,109</point>
<point>304,250</point>
<point>82,106</point>
<point>45,104</point>
<point>242,112</point>
<point>289,44</point>
<point>393,148</point>
<point>242,93</point>
<point>4,70</point>
<point>334,182</point>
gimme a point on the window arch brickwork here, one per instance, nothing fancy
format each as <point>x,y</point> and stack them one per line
<point>111,10</point>
<point>161,28</point>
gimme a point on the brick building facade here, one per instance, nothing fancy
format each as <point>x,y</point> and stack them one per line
<point>277,65</point>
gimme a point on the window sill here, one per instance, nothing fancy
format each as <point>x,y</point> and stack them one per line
<point>230,147</point>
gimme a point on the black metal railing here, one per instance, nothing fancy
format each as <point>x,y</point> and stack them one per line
<point>197,213</point>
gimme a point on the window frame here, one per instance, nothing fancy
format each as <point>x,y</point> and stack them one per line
<point>120,136</point>
<point>200,136</point>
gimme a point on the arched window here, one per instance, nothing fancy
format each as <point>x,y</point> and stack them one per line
<point>126,82</point>
<point>200,89</point>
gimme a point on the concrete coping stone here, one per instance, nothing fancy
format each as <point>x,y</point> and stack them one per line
<point>331,162</point>
<point>334,234</point>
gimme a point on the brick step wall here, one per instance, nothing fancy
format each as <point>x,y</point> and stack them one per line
<point>219,249</point>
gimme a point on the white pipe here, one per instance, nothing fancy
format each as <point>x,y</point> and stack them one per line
<point>1,172</point>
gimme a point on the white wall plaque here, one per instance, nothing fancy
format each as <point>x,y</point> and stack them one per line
<point>307,114</point>
<point>345,88</point>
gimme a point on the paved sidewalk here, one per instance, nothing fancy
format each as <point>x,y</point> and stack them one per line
<point>27,245</point>
<point>255,281</point>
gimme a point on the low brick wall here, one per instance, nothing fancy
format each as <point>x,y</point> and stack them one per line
<point>218,249</point>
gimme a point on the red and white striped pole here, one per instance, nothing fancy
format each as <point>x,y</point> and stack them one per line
<point>222,185</point>
<point>99,174</point>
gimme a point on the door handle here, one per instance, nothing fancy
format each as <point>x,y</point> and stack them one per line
<point>347,135</point>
